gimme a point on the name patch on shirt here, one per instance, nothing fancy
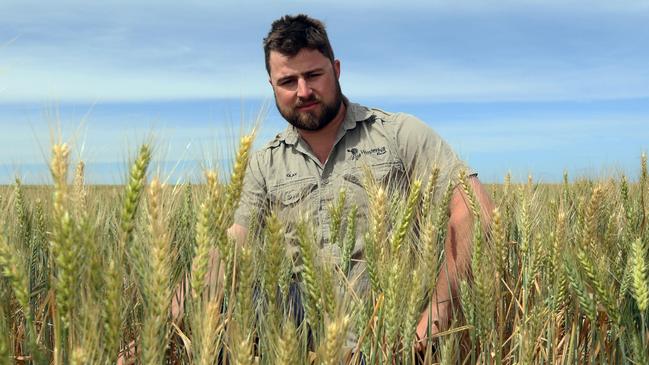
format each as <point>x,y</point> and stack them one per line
<point>357,153</point>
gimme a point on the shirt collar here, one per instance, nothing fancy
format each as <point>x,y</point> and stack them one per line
<point>354,113</point>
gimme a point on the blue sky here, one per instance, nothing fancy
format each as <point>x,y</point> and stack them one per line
<point>523,86</point>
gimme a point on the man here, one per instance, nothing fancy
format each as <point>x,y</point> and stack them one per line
<point>329,142</point>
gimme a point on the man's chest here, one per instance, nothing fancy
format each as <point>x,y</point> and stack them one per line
<point>298,185</point>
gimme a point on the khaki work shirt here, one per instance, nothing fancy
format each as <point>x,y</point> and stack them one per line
<point>287,177</point>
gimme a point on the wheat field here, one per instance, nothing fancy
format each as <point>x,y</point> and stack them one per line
<point>90,273</point>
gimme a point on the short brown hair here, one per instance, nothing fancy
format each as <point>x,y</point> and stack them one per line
<point>291,33</point>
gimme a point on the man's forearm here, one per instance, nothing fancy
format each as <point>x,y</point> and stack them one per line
<point>459,238</point>
<point>214,277</point>
<point>456,265</point>
<point>456,262</point>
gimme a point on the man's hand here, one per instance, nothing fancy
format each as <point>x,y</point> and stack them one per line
<point>214,277</point>
<point>437,314</point>
<point>457,260</point>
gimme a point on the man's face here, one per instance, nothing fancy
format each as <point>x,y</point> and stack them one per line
<point>307,92</point>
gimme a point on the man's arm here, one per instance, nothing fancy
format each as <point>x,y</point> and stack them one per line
<point>238,233</point>
<point>214,274</point>
<point>252,197</point>
<point>213,278</point>
<point>457,257</point>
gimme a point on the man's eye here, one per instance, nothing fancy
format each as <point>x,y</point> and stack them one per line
<point>314,75</point>
<point>285,83</point>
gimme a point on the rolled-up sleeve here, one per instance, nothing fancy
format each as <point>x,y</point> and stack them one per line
<point>422,149</point>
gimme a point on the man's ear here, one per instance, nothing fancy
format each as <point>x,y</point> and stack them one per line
<point>336,66</point>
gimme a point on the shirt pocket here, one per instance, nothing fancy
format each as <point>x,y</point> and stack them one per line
<point>384,173</point>
<point>389,174</point>
<point>290,199</point>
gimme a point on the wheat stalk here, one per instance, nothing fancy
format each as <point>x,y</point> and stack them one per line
<point>14,270</point>
<point>275,255</point>
<point>287,349</point>
<point>378,210</point>
<point>586,302</point>
<point>233,190</point>
<point>245,310</point>
<point>134,190</point>
<point>349,242</point>
<point>639,275</point>
<point>156,280</point>
<point>601,289</point>
<point>5,352</point>
<point>313,305</point>
<point>336,213</point>
<point>207,213</point>
<point>79,191</point>
<point>428,195</point>
<point>209,330</point>
<point>22,215</point>
<point>407,218</point>
<point>111,310</point>
<point>331,351</point>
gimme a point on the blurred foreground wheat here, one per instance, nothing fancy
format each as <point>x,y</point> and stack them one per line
<point>560,276</point>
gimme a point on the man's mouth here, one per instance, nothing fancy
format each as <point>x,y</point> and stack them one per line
<point>307,106</point>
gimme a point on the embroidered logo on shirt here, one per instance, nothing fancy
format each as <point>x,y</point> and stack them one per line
<point>356,153</point>
<point>291,174</point>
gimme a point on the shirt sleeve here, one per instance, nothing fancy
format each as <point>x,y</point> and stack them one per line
<point>422,149</point>
<point>253,200</point>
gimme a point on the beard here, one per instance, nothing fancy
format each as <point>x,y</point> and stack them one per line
<point>316,119</point>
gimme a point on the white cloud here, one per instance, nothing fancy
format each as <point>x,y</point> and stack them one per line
<point>83,84</point>
<point>519,135</point>
<point>431,82</point>
<point>121,50</point>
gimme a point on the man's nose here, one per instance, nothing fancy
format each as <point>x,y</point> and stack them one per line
<point>303,89</point>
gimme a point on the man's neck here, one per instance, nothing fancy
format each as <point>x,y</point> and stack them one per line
<point>322,141</point>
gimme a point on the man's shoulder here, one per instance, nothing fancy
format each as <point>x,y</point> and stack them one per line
<point>361,112</point>
<point>272,143</point>
<point>272,150</point>
<point>403,127</point>
<point>280,139</point>
<point>393,118</point>
<point>397,123</point>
